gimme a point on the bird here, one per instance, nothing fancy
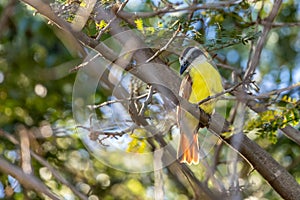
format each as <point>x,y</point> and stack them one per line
<point>201,80</point>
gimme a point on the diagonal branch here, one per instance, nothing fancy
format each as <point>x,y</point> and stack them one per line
<point>7,12</point>
<point>27,180</point>
<point>254,59</point>
<point>41,188</point>
<point>57,175</point>
<point>170,9</point>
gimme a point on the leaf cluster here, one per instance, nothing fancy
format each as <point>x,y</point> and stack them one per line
<point>266,124</point>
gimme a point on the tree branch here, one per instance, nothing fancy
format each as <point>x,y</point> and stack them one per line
<point>120,8</point>
<point>170,9</point>
<point>7,12</point>
<point>56,174</point>
<point>157,53</point>
<point>254,59</point>
<point>26,180</point>
<point>280,24</point>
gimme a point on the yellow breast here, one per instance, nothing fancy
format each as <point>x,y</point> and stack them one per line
<point>206,82</point>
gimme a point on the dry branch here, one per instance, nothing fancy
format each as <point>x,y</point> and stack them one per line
<point>254,59</point>
<point>26,180</point>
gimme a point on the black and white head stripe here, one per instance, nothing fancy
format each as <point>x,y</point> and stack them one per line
<point>188,56</point>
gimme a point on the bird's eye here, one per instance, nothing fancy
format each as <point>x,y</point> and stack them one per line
<point>186,63</point>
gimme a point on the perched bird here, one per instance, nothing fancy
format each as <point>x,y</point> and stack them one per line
<point>202,79</point>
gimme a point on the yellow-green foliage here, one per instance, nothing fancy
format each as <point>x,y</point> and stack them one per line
<point>83,4</point>
<point>267,123</point>
<point>101,24</point>
<point>136,145</point>
<point>140,26</point>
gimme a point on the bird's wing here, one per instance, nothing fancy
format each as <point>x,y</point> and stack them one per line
<point>186,87</point>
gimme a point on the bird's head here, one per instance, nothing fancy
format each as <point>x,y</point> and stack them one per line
<point>188,56</point>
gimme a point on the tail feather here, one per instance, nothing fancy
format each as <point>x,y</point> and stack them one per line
<point>188,151</point>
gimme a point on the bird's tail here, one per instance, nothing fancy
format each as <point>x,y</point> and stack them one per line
<point>188,150</point>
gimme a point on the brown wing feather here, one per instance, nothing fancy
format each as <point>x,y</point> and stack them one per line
<point>188,150</point>
<point>186,87</point>
<point>185,92</point>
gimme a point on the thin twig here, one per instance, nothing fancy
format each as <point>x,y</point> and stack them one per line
<point>147,101</point>
<point>44,9</point>
<point>85,63</point>
<point>225,66</point>
<point>280,24</point>
<point>112,20</point>
<point>94,135</point>
<point>220,94</point>
<point>191,14</point>
<point>268,94</point>
<point>170,9</point>
<point>279,91</point>
<point>233,42</point>
<point>157,53</point>
<point>106,103</point>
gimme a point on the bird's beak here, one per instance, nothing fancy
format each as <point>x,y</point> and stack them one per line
<point>183,68</point>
